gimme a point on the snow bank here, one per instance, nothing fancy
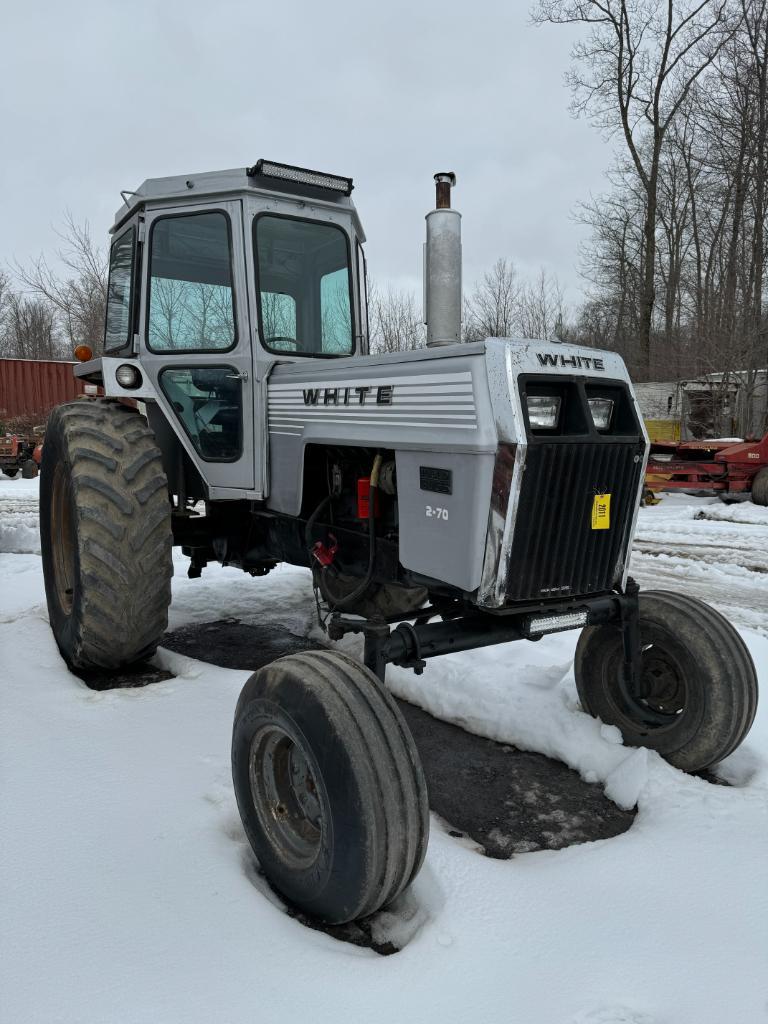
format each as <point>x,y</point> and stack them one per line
<point>744,512</point>
<point>20,537</point>
<point>19,532</point>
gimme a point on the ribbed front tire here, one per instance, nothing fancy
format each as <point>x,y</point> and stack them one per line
<point>329,785</point>
<point>105,530</point>
<point>699,685</point>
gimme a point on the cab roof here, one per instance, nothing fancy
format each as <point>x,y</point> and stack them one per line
<point>232,182</point>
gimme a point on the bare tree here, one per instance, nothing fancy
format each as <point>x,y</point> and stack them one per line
<point>610,262</point>
<point>492,308</point>
<point>28,328</point>
<point>79,292</point>
<point>596,324</point>
<point>756,31</point>
<point>5,294</point>
<point>632,74</point>
<point>542,308</point>
<point>395,324</point>
<point>504,305</point>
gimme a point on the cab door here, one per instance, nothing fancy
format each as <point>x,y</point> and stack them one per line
<point>195,341</point>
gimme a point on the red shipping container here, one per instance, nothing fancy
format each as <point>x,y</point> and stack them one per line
<point>31,387</point>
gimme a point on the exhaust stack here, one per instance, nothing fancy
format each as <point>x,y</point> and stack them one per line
<point>442,267</point>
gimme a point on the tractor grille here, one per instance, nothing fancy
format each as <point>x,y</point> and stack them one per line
<point>555,551</point>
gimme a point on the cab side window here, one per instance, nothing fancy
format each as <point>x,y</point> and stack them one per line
<point>117,332</point>
<point>191,307</point>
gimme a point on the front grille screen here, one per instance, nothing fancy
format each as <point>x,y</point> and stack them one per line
<point>555,551</point>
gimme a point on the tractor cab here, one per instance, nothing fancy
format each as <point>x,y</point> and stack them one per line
<point>213,280</point>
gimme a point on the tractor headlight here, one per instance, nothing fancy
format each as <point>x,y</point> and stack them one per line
<point>128,376</point>
<point>543,411</point>
<point>602,410</point>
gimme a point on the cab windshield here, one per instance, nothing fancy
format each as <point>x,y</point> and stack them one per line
<point>304,287</point>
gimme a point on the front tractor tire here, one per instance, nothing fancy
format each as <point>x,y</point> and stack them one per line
<point>105,530</point>
<point>329,785</point>
<point>698,680</point>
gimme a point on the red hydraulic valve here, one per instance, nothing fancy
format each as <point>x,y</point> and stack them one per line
<point>363,497</point>
<point>325,553</point>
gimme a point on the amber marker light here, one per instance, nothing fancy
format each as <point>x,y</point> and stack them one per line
<point>83,353</point>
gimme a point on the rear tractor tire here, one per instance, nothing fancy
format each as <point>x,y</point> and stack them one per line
<point>105,530</point>
<point>29,469</point>
<point>698,678</point>
<point>760,487</point>
<point>329,785</point>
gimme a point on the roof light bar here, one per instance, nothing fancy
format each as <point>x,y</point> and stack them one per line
<point>301,176</point>
<point>540,624</point>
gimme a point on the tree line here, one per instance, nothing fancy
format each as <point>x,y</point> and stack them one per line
<point>502,304</point>
<point>44,312</point>
<point>675,267</point>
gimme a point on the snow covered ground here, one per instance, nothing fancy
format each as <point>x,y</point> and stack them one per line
<point>713,551</point>
<point>129,894</point>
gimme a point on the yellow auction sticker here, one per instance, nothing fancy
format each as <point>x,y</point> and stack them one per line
<point>601,512</point>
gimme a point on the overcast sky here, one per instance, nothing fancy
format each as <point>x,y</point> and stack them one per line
<point>95,97</point>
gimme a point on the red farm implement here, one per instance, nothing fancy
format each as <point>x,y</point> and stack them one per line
<point>733,471</point>
<point>19,453</point>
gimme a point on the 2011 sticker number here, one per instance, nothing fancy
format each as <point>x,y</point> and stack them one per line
<point>432,512</point>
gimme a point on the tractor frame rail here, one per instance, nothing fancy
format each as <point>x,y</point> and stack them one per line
<point>412,641</point>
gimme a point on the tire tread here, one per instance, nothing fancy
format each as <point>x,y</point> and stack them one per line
<point>385,766</point>
<point>729,702</point>
<point>123,527</point>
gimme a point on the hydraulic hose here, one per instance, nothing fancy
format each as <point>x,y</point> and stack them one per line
<point>311,523</point>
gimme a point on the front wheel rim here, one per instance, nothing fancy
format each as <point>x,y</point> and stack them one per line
<point>664,687</point>
<point>285,795</point>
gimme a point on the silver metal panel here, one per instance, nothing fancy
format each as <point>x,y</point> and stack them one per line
<point>105,366</point>
<point>527,356</point>
<point>510,430</point>
<point>424,402</point>
<point>443,535</point>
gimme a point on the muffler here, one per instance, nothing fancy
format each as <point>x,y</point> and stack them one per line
<point>442,267</point>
